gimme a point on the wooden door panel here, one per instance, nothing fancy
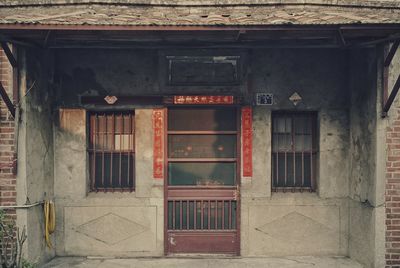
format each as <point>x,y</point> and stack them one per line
<point>202,242</point>
<point>202,194</point>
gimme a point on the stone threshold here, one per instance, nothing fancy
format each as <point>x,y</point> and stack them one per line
<point>201,261</point>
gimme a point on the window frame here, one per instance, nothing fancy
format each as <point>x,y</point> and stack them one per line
<point>313,152</point>
<point>130,152</point>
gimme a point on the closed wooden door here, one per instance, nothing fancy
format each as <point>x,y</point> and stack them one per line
<point>202,189</point>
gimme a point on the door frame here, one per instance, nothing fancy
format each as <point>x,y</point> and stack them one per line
<point>238,173</point>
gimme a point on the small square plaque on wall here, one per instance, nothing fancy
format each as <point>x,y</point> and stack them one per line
<point>265,98</point>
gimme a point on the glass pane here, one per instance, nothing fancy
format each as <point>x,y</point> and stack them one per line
<point>282,124</point>
<point>233,219</point>
<point>114,170</point>
<point>202,146</point>
<point>217,119</point>
<point>303,142</point>
<point>205,214</point>
<point>177,215</point>
<point>282,142</point>
<point>308,165</point>
<point>111,131</point>
<point>289,172</point>
<point>184,214</point>
<point>302,125</point>
<point>219,214</point>
<point>198,215</point>
<point>170,206</point>
<point>226,215</point>
<point>191,214</point>
<point>201,173</point>
<point>123,142</point>
<point>101,123</point>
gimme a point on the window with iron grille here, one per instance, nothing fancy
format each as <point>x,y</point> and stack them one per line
<point>294,151</point>
<point>112,151</point>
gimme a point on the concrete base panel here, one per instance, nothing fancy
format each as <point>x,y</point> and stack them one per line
<point>107,231</point>
<point>276,230</point>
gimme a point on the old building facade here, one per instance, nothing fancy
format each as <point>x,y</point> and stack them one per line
<point>251,129</point>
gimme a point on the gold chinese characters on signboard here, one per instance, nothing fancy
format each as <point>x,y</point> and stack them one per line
<point>203,99</point>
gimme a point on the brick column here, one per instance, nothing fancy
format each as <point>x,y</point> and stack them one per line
<point>7,149</point>
<point>393,192</point>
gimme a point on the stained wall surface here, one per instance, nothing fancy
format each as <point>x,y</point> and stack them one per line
<point>35,180</point>
<point>272,224</point>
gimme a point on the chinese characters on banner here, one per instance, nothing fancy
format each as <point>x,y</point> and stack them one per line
<point>158,146</point>
<point>247,141</point>
<point>203,99</point>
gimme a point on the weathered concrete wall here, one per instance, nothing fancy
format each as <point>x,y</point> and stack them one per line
<point>35,148</point>
<point>272,224</point>
<point>105,224</point>
<point>103,72</point>
<point>276,224</point>
<point>366,235</point>
<point>122,73</point>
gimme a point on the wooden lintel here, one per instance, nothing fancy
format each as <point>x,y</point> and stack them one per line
<point>137,100</point>
<point>123,100</point>
<point>391,53</point>
<point>9,54</point>
<point>331,27</point>
<point>7,100</point>
<point>167,27</point>
<point>392,96</point>
<point>391,38</point>
<point>7,39</point>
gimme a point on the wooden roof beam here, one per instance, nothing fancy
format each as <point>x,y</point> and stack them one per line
<point>9,54</point>
<point>388,60</point>
<point>7,101</point>
<point>391,53</point>
<point>391,98</point>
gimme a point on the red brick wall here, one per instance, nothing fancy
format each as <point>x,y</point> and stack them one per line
<point>393,193</point>
<point>7,178</point>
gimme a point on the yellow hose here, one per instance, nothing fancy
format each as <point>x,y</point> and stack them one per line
<point>49,221</point>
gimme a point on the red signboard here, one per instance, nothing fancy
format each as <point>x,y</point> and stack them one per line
<point>203,99</point>
<point>158,146</point>
<point>247,141</point>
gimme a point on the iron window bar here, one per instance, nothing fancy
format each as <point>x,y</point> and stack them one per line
<point>112,151</point>
<point>293,151</point>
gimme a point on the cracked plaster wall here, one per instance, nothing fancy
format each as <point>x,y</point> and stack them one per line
<point>367,160</point>
<point>279,224</point>
<point>320,76</point>
<point>35,150</point>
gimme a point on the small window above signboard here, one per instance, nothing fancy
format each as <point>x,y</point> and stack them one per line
<point>203,70</point>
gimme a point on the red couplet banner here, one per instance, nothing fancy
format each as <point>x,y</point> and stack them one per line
<point>158,145</point>
<point>247,141</point>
